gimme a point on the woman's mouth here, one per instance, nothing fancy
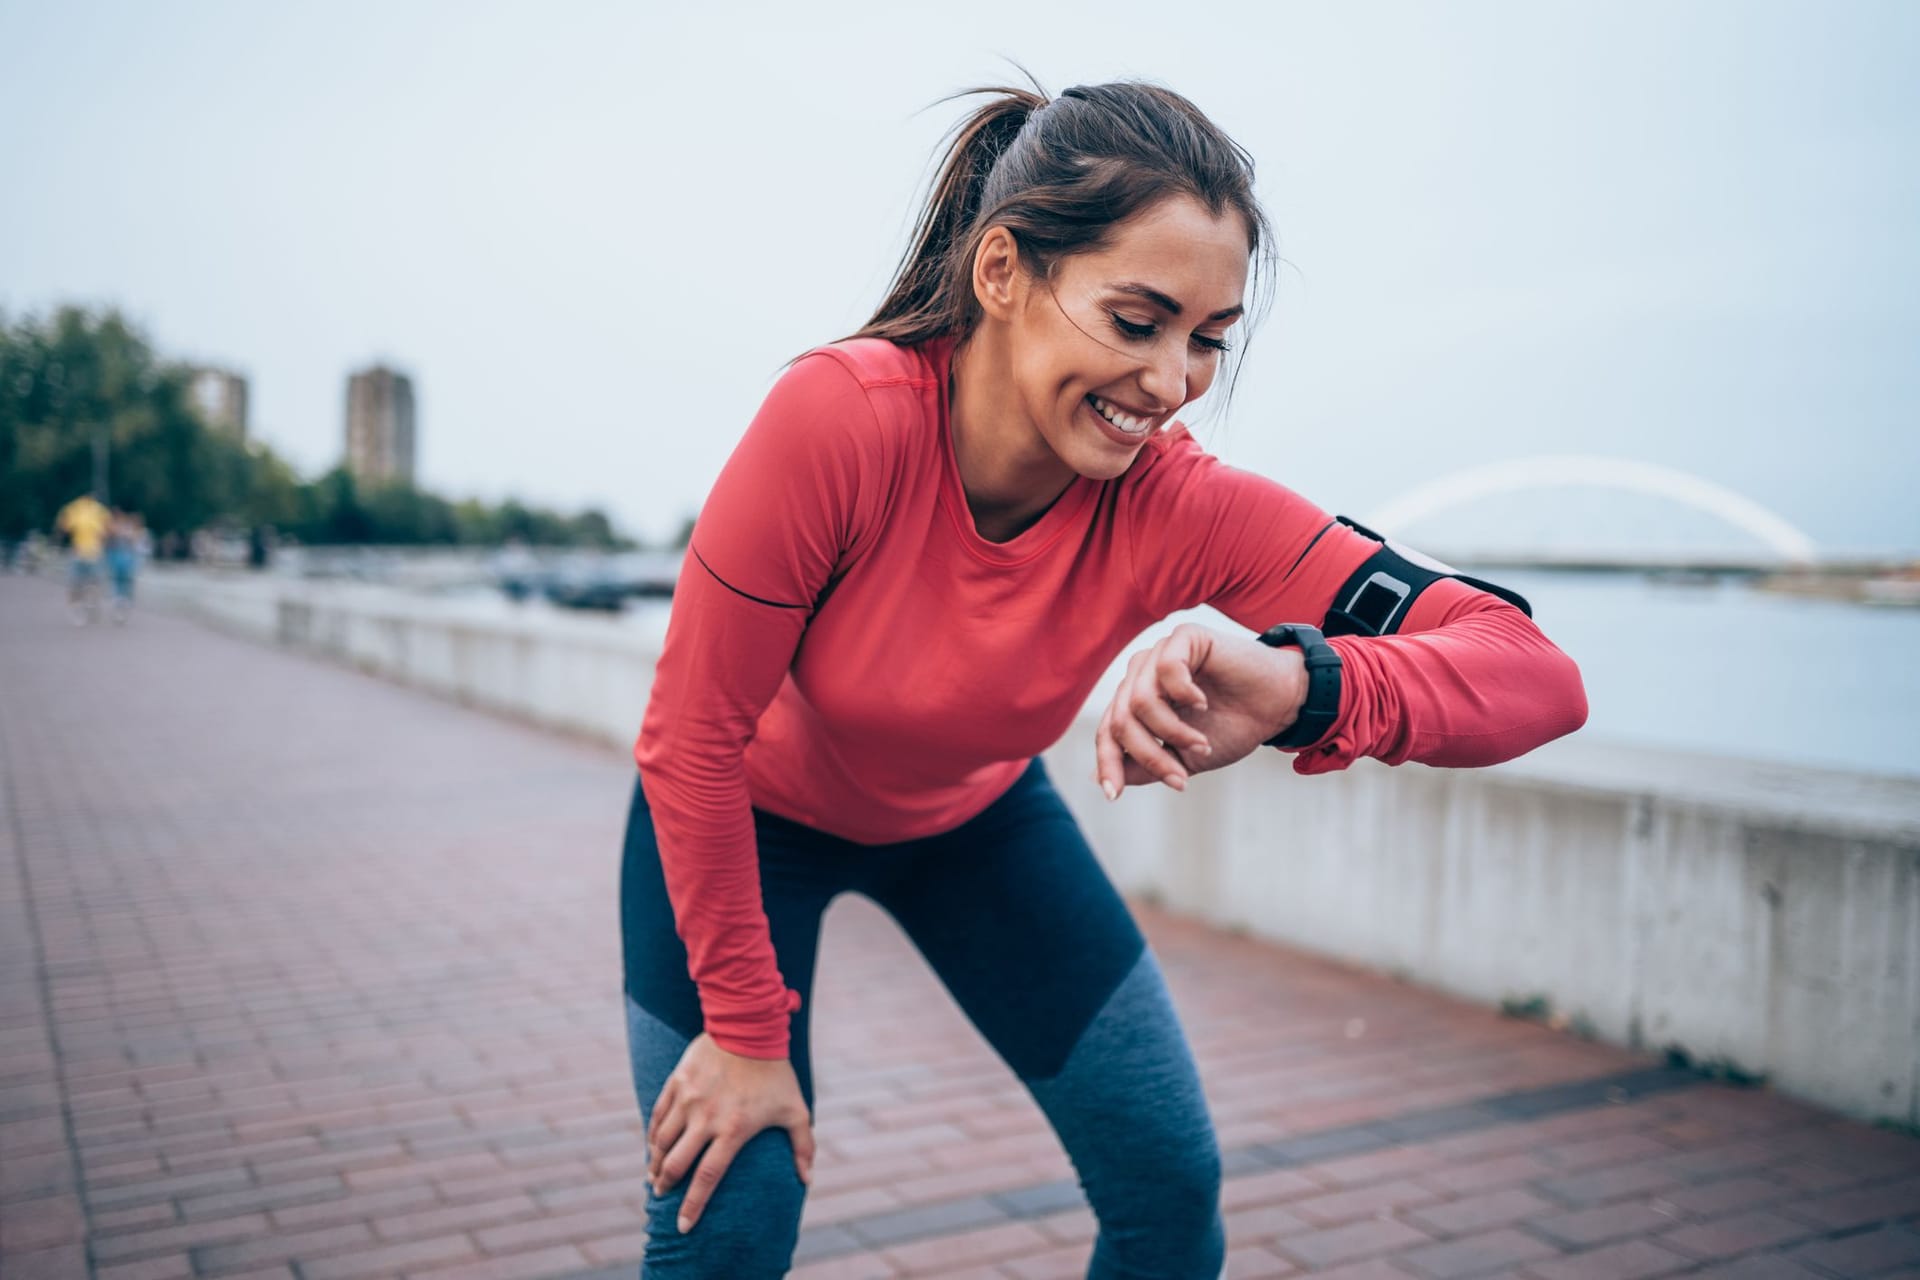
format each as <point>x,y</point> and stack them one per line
<point>1125,427</point>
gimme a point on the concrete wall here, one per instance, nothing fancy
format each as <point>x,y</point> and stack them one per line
<point>578,674</point>
<point>1662,900</point>
<point>1760,917</point>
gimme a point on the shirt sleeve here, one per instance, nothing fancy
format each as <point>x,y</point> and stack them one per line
<point>765,546</point>
<point>1468,680</point>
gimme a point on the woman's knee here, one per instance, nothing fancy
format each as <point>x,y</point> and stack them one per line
<point>749,1226</point>
<point>1165,1212</point>
<point>751,1221</point>
<point>1130,1108</point>
<point>1172,1198</point>
<point>1187,1182</point>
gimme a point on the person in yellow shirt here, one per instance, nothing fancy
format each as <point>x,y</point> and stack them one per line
<point>84,522</point>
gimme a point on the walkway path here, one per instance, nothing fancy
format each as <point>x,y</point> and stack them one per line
<point>304,976</point>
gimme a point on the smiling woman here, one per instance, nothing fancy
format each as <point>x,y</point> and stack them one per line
<point>1099,359</point>
<point>934,538</point>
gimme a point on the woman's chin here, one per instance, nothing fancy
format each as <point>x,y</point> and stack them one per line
<point>1095,449</point>
<point>1103,463</point>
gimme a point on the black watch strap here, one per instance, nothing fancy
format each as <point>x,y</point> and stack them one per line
<point>1322,706</point>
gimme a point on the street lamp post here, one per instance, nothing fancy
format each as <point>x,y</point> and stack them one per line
<point>101,492</point>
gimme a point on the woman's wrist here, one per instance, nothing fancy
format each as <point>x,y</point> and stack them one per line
<point>1290,686</point>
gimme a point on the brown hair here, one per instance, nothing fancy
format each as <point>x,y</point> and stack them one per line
<point>1059,174</point>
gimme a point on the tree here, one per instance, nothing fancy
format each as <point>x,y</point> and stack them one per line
<point>68,378</point>
<point>75,375</point>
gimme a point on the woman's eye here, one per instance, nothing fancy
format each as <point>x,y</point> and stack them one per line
<point>1142,331</point>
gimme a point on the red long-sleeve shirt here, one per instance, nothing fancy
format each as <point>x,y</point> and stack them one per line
<point>845,650</point>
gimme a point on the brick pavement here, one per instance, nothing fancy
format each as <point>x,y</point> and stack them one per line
<point>304,976</point>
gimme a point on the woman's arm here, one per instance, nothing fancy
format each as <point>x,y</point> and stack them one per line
<point>1467,680</point>
<point>766,544</point>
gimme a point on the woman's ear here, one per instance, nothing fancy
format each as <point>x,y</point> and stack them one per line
<point>996,273</point>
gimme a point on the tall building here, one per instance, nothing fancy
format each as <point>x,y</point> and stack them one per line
<point>380,426</point>
<point>221,397</point>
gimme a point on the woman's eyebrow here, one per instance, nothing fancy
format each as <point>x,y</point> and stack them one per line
<point>1167,304</point>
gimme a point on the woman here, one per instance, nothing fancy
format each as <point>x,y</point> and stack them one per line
<point>934,538</point>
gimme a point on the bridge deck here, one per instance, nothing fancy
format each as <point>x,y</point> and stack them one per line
<point>308,977</point>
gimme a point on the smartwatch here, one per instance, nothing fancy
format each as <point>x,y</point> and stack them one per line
<point>1322,706</point>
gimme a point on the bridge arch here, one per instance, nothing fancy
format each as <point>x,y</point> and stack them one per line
<point>1566,470</point>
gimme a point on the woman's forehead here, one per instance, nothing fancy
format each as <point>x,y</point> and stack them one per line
<point>1181,250</point>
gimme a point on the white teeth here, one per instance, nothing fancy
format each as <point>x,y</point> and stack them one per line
<point>1126,422</point>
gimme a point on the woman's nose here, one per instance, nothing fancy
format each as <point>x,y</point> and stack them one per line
<point>1164,379</point>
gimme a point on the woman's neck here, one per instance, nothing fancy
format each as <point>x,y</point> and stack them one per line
<point>1008,471</point>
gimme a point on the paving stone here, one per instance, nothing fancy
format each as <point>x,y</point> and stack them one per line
<point>1633,1260</point>
<point>1351,1242</point>
<point>1728,1195</point>
<point>1602,1185</point>
<point>1864,1253</point>
<point>1760,1266</point>
<point>926,1220</point>
<point>1584,1228</point>
<point>1477,1213</point>
<point>1361,1202</point>
<point>1859,1207</point>
<point>1736,1234</point>
<point>987,1244</point>
<point>1475,1255</point>
<point>62,1262</point>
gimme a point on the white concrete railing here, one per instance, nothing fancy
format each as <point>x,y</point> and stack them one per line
<point>563,671</point>
<point>1762,918</point>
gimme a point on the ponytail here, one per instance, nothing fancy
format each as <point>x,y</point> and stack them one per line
<point>928,296</point>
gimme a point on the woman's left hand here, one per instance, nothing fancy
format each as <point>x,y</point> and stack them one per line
<point>1197,700</point>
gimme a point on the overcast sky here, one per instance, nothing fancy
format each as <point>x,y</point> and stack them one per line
<point>1686,234</point>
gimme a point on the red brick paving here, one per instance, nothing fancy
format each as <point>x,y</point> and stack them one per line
<point>303,975</point>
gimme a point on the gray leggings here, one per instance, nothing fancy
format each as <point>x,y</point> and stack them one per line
<point>1020,922</point>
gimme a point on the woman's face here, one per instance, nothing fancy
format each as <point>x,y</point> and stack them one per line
<point>1106,352</point>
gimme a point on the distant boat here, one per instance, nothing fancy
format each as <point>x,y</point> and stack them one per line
<point>1891,592</point>
<point>592,581</point>
<point>1683,578</point>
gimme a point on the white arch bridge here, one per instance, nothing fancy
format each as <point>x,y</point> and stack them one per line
<point>1783,543</point>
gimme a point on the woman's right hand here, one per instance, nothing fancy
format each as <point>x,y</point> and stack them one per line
<point>715,1102</point>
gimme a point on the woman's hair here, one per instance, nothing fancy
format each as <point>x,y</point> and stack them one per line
<point>1060,175</point>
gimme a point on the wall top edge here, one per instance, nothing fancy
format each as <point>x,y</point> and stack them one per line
<point>1880,806</point>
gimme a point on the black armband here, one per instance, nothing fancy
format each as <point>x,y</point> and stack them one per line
<point>1374,599</point>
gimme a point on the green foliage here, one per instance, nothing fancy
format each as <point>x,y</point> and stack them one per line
<point>1725,1070</point>
<point>73,376</point>
<point>1529,1008</point>
<point>68,377</point>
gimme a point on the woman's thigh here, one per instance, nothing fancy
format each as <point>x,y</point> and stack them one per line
<point>1021,923</point>
<point>750,1225</point>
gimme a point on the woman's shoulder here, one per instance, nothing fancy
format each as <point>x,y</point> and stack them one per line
<point>880,395</point>
<point>865,399</point>
<point>1175,470</point>
<point>877,362</point>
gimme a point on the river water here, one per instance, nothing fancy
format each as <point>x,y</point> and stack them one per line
<point>1732,670</point>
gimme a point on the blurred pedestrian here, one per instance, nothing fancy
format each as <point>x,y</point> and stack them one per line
<point>123,559</point>
<point>84,523</point>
